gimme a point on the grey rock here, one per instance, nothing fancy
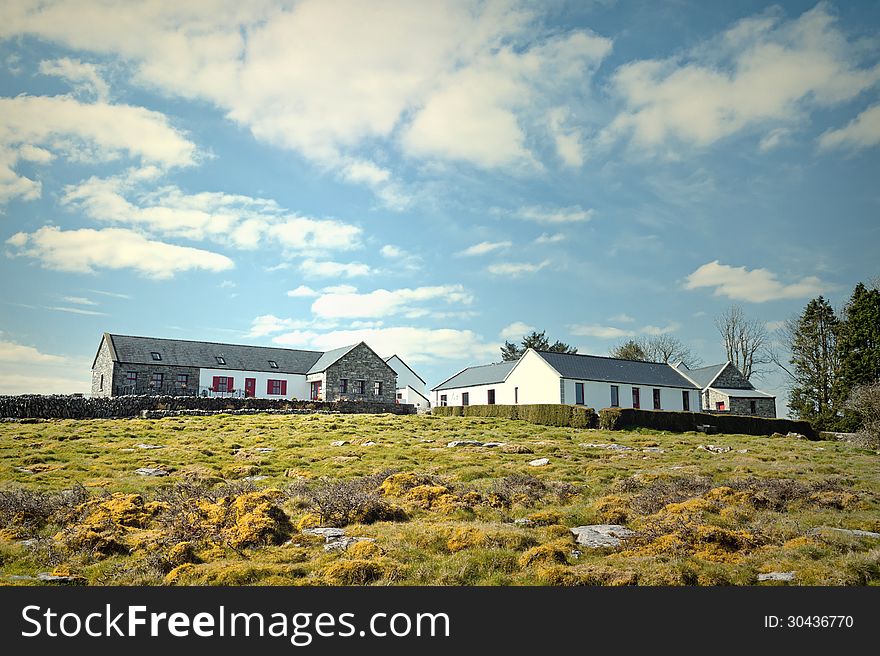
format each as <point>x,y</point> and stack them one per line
<point>612,447</point>
<point>539,462</point>
<point>653,449</point>
<point>29,543</point>
<point>339,443</point>
<point>150,471</point>
<point>255,478</point>
<point>714,448</point>
<point>492,445</point>
<point>263,449</point>
<point>596,536</point>
<point>845,531</point>
<point>149,446</point>
<point>797,436</point>
<point>57,578</point>
<point>523,521</point>
<point>776,576</point>
<point>328,533</point>
<point>343,543</point>
<point>456,443</point>
<point>371,443</point>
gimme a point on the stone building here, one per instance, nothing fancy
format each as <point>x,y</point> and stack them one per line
<point>126,364</point>
<point>725,389</point>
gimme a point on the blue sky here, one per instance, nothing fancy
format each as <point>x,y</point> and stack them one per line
<point>432,178</point>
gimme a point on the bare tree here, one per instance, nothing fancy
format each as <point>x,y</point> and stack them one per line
<point>745,340</point>
<point>668,348</point>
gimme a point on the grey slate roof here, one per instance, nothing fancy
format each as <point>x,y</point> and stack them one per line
<point>329,358</point>
<point>481,375</point>
<point>400,359</point>
<point>613,370</point>
<point>704,375</point>
<point>181,352</point>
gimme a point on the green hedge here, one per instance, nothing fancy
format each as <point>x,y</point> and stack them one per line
<point>545,414</point>
<point>680,422</point>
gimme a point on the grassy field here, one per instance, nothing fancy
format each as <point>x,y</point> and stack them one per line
<point>239,490</point>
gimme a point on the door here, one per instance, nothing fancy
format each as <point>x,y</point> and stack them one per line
<point>315,391</point>
<point>636,403</point>
<point>250,387</point>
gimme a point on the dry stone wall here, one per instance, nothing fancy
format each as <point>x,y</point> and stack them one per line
<point>79,407</point>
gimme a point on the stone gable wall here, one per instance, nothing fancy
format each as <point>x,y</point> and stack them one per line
<point>360,364</point>
<point>731,378</point>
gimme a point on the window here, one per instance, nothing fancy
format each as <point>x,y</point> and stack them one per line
<point>719,405</point>
<point>685,401</point>
<point>343,385</point>
<point>360,386</point>
<point>579,393</point>
<point>220,359</point>
<point>182,380</point>
<point>490,397</point>
<point>273,364</point>
<point>615,396</point>
<point>753,407</point>
<point>276,387</point>
<point>516,394</point>
<point>656,399</point>
<point>156,356</point>
<point>101,384</point>
<point>399,396</point>
<point>465,398</point>
<point>156,380</point>
<point>222,384</point>
<point>442,399</point>
<point>377,388</point>
<point>636,396</point>
<point>131,378</point>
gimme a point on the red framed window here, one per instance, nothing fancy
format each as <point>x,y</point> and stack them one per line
<point>222,384</point>
<point>719,405</point>
<point>636,397</point>
<point>276,387</point>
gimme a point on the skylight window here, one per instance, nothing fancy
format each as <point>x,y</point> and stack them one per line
<point>156,356</point>
<point>220,359</point>
<point>273,364</point>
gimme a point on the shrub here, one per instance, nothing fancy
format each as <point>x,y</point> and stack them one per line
<point>358,571</point>
<point>364,549</point>
<point>649,497</point>
<point>865,402</point>
<point>341,502</point>
<point>466,538</point>
<point>545,518</point>
<point>24,512</point>
<point>503,411</point>
<point>524,489</point>
<point>586,575</point>
<point>545,414</point>
<point>552,553</point>
<point>612,509</point>
<point>609,418</point>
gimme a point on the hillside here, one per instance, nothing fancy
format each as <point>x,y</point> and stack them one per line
<point>234,495</point>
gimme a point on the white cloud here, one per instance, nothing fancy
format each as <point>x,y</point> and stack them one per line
<point>76,310</point>
<point>573,214</point>
<point>33,126</point>
<point>762,71</point>
<point>384,302</point>
<point>484,247</point>
<point>269,324</point>
<point>756,285</point>
<point>110,294</point>
<point>567,139</point>
<point>774,139</point>
<point>862,132</point>
<point>621,318</point>
<point>84,77</point>
<point>517,330</point>
<point>773,326</point>
<point>233,219</point>
<point>469,80</point>
<point>79,300</point>
<point>546,238</point>
<point>303,291</point>
<point>515,269</point>
<point>414,345</point>
<point>391,252</point>
<point>329,269</point>
<point>612,332</point>
<point>83,251</point>
<point>14,352</point>
<point>339,289</point>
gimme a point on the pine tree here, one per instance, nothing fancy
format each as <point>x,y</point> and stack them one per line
<point>537,341</point>
<point>815,364</point>
<point>858,341</point>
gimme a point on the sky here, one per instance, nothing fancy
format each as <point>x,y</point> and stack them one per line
<point>432,177</point>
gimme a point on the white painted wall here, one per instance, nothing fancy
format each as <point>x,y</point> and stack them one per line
<point>409,395</point>
<point>537,381</point>
<point>478,395</point>
<point>405,377</point>
<point>598,395</point>
<point>296,383</point>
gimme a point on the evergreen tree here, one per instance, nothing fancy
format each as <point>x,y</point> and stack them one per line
<point>537,341</point>
<point>858,342</point>
<point>629,350</point>
<point>815,364</point>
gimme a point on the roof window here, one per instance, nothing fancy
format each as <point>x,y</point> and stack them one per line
<point>273,364</point>
<point>220,359</point>
<point>156,355</point>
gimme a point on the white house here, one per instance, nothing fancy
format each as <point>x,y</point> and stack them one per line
<point>410,386</point>
<point>573,379</point>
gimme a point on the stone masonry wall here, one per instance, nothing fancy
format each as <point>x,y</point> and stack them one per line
<point>731,378</point>
<point>79,407</point>
<point>361,363</point>
<point>103,369</point>
<point>764,407</point>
